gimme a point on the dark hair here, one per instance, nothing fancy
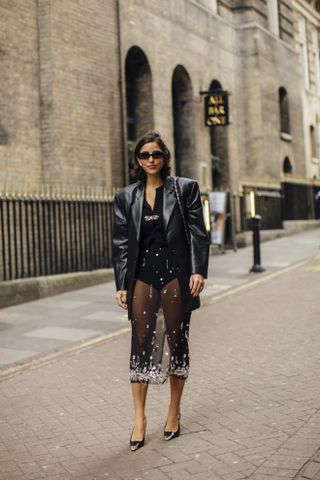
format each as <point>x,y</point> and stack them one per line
<point>137,172</point>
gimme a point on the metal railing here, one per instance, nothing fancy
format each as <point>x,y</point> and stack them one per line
<point>46,235</point>
<point>268,204</point>
<point>292,201</point>
<point>300,202</point>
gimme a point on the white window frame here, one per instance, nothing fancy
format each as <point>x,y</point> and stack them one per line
<point>304,51</point>
<point>211,5</point>
<point>273,17</point>
<point>316,59</point>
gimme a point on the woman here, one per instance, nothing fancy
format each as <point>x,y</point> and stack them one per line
<point>160,259</point>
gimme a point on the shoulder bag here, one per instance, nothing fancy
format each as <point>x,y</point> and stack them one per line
<point>179,199</point>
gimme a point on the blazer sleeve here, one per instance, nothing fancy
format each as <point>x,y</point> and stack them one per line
<point>199,240</point>
<point>120,243</point>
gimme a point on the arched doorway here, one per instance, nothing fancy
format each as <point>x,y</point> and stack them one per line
<point>219,151</point>
<point>183,122</point>
<point>139,98</point>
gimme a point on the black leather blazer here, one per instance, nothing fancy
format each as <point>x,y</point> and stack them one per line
<point>128,204</point>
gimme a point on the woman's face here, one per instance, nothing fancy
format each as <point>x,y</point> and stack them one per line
<point>151,165</point>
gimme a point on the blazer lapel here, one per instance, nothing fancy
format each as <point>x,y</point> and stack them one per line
<point>169,201</point>
<point>136,209</point>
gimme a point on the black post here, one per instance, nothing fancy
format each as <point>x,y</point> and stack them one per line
<point>257,268</point>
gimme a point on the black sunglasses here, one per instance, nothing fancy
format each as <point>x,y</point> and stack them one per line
<point>156,155</point>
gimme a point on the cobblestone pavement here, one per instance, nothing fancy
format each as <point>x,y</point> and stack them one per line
<point>251,407</point>
<point>311,470</point>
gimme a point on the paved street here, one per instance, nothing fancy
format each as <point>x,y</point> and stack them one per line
<point>252,403</point>
<point>60,322</point>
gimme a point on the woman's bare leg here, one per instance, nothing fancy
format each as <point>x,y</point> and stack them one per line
<point>139,393</point>
<point>177,325</point>
<point>176,389</point>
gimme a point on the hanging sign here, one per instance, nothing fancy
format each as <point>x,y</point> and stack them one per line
<point>216,109</point>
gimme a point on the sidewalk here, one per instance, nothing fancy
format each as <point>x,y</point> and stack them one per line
<point>53,324</point>
<point>251,407</point>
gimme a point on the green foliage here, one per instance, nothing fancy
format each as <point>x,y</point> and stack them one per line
<point>215,163</point>
<point>130,146</point>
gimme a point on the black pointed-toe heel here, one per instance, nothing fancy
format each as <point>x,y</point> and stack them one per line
<point>136,444</point>
<point>171,435</point>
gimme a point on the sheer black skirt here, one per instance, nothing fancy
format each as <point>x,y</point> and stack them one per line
<point>160,324</point>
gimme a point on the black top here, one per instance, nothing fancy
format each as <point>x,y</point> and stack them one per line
<point>152,230</point>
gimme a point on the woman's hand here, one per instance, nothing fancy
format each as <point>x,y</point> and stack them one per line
<point>121,297</point>
<point>196,284</point>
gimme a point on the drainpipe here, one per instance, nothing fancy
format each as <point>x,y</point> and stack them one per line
<point>122,108</point>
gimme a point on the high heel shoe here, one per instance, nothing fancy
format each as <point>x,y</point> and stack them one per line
<point>136,444</point>
<point>170,435</point>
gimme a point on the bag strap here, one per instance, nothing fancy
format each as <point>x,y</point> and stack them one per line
<point>179,199</point>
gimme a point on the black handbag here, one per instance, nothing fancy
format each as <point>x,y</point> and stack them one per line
<point>179,199</point>
<point>195,301</point>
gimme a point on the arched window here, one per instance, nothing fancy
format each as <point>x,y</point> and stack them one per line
<point>139,98</point>
<point>287,167</point>
<point>183,122</point>
<point>313,142</point>
<point>284,111</point>
<point>138,94</point>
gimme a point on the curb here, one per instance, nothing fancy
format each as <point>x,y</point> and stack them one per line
<point>233,290</point>
<point>42,360</point>
<point>14,292</point>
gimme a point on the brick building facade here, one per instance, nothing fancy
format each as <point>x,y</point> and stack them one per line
<point>81,79</point>
<point>60,100</point>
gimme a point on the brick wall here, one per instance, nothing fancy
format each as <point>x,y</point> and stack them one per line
<point>63,56</point>
<point>20,156</point>
<point>79,92</point>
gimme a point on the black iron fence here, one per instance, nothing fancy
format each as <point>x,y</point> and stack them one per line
<point>293,201</point>
<point>50,234</point>
<point>47,235</point>
<point>268,204</point>
<point>299,201</point>
<point>316,197</point>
